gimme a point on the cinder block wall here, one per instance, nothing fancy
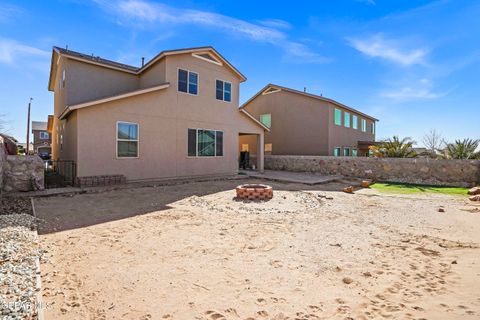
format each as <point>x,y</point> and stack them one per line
<point>463,173</point>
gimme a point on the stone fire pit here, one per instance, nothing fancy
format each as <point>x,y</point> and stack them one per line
<point>254,192</point>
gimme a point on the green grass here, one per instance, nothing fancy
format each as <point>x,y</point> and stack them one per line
<point>418,189</point>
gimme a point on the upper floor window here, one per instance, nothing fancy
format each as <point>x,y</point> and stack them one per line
<point>364,125</point>
<point>338,117</point>
<point>354,122</point>
<point>223,90</point>
<point>187,81</point>
<point>336,152</point>
<point>127,140</point>
<point>205,143</point>
<point>354,152</point>
<point>63,78</point>
<point>44,135</point>
<point>346,152</point>
<point>347,120</point>
<point>266,119</point>
<point>372,128</point>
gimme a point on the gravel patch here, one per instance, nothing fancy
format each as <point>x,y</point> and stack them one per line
<point>19,250</point>
<point>15,206</point>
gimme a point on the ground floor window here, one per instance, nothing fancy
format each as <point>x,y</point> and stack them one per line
<point>336,152</point>
<point>205,143</point>
<point>127,140</point>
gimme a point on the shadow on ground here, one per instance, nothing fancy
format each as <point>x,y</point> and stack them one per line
<point>62,213</point>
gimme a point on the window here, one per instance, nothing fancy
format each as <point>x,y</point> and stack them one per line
<point>346,119</point>
<point>187,81</point>
<point>336,152</point>
<point>63,78</point>
<point>61,142</point>
<point>354,122</point>
<point>44,135</point>
<point>245,147</point>
<point>354,152</point>
<point>127,140</point>
<point>338,117</point>
<point>223,91</point>
<point>346,152</point>
<point>373,128</point>
<point>364,125</point>
<point>268,147</point>
<point>205,143</point>
<point>266,119</point>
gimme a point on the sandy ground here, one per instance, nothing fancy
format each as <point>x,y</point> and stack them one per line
<point>192,252</point>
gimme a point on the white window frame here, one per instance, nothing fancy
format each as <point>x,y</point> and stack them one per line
<point>345,115</point>
<point>188,81</point>
<point>349,151</point>
<point>42,135</point>
<point>335,119</point>
<point>129,140</point>
<point>196,145</point>
<point>364,125</point>
<point>63,78</point>
<point>223,90</point>
<point>372,127</point>
<point>354,123</point>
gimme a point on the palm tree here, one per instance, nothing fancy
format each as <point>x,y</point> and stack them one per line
<point>463,149</point>
<point>397,148</point>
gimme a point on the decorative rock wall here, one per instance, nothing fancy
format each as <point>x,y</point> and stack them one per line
<point>463,173</point>
<point>3,157</point>
<point>23,173</point>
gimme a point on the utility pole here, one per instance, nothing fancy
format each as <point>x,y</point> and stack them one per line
<point>28,126</point>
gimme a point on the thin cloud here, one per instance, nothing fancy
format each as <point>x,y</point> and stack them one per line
<point>422,90</point>
<point>10,50</point>
<point>378,47</point>
<point>140,13</point>
<point>275,23</point>
<point>369,2</point>
<point>7,12</point>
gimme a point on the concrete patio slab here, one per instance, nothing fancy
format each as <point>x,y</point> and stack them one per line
<point>295,177</point>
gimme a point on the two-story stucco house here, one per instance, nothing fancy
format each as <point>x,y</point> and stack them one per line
<point>306,124</point>
<point>175,116</point>
<point>41,138</point>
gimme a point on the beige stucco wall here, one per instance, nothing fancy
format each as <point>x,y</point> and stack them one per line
<point>154,75</point>
<point>299,124</point>
<point>86,82</point>
<point>303,125</point>
<point>164,118</point>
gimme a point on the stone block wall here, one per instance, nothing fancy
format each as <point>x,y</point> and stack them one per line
<point>464,173</point>
<point>3,157</point>
<point>23,173</point>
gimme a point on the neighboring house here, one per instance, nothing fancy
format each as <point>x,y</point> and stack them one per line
<point>175,116</point>
<point>42,139</point>
<point>306,124</point>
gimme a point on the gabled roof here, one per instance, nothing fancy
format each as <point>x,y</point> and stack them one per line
<point>272,88</point>
<point>71,108</point>
<point>39,125</point>
<point>96,60</point>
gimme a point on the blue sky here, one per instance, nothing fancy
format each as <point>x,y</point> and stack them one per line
<point>415,65</point>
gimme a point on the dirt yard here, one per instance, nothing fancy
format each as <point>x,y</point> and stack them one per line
<point>191,251</point>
